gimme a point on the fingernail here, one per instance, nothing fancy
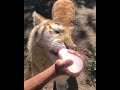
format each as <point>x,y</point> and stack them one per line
<point>70,61</point>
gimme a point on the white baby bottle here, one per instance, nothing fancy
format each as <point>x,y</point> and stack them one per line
<point>77,65</point>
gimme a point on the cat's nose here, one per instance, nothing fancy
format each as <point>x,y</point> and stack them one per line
<point>73,47</point>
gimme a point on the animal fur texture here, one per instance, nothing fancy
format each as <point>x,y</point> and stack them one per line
<point>49,35</point>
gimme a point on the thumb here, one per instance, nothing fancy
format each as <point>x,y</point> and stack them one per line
<point>64,64</point>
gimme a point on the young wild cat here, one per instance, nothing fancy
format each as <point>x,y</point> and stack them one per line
<point>48,35</point>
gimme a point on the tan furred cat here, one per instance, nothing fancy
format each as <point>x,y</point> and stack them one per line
<point>49,35</point>
<point>64,12</point>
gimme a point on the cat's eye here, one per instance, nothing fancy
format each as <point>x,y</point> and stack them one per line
<point>57,23</point>
<point>58,31</point>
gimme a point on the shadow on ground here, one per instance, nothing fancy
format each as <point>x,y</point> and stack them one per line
<point>86,3</point>
<point>72,84</point>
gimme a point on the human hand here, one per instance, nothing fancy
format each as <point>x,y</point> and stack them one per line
<point>77,54</point>
<point>61,66</point>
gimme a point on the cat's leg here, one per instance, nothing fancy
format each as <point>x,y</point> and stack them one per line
<point>61,82</point>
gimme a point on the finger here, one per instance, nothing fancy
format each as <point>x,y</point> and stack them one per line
<point>76,53</point>
<point>63,64</point>
<point>70,73</point>
<point>66,63</point>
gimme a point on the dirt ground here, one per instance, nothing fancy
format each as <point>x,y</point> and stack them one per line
<point>85,39</point>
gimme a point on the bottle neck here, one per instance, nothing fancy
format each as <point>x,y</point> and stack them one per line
<point>59,50</point>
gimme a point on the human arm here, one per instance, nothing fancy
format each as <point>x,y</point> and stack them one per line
<point>58,68</point>
<point>44,77</point>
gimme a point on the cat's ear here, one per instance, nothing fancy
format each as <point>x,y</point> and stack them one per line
<point>37,18</point>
